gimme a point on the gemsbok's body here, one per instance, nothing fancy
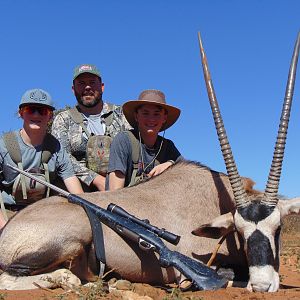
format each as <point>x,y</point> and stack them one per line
<point>53,233</point>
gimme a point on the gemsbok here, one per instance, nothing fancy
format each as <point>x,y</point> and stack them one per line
<point>53,233</point>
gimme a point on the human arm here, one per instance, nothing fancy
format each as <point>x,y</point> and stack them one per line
<point>73,185</point>
<point>116,180</point>
<point>171,155</point>
<point>71,138</point>
<point>120,161</point>
<point>160,168</point>
<point>64,169</point>
<point>2,220</point>
<point>99,182</point>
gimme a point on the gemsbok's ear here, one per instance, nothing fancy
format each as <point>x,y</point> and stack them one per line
<point>289,207</point>
<point>217,228</point>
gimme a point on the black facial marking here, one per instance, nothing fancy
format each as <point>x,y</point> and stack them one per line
<point>259,251</point>
<point>255,211</point>
<point>277,247</point>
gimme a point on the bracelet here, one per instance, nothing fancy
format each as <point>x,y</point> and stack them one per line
<point>171,161</point>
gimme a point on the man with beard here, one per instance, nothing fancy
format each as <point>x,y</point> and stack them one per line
<point>91,117</point>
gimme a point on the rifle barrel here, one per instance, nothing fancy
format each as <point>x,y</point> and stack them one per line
<point>161,232</point>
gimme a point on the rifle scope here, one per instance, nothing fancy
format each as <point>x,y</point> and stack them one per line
<point>161,232</point>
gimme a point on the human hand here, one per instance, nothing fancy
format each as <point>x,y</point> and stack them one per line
<point>160,168</point>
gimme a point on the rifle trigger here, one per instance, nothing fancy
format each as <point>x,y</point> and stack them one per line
<point>145,246</point>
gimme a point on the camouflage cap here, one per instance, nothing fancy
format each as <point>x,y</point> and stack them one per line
<point>37,96</point>
<point>86,69</point>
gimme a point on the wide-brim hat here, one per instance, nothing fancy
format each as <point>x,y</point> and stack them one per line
<point>155,97</point>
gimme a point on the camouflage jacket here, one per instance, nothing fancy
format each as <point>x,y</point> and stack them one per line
<point>73,138</point>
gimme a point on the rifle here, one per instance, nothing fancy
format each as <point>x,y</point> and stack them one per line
<point>147,237</point>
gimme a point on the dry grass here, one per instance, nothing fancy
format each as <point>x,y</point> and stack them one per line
<point>290,241</point>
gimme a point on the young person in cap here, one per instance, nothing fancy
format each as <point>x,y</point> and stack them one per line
<point>90,125</point>
<point>34,150</point>
<point>141,153</point>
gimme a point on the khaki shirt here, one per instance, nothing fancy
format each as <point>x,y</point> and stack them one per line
<point>74,140</point>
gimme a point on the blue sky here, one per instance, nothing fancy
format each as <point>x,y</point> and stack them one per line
<point>145,44</point>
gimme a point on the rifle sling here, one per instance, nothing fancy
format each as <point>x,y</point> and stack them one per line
<point>96,224</point>
<point>98,238</point>
<point>78,119</point>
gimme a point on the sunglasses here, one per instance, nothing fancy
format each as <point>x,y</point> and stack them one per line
<point>42,110</point>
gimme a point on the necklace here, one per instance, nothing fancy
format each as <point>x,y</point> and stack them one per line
<point>149,148</point>
<point>141,152</point>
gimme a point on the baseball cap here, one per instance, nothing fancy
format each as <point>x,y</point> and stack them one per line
<point>37,96</point>
<point>86,69</point>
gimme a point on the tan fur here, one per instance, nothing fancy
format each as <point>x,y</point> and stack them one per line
<point>179,200</point>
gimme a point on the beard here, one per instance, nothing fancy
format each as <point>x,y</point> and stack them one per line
<point>89,100</point>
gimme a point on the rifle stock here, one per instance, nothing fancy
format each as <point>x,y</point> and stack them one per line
<point>203,277</point>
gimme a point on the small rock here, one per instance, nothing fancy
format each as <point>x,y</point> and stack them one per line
<point>129,295</point>
<point>124,285</point>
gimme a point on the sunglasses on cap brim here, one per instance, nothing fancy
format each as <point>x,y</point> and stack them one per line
<point>31,109</point>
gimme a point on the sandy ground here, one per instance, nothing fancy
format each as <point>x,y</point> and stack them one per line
<point>289,278</point>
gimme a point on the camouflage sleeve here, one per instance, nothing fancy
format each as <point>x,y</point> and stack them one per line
<point>82,172</point>
<point>124,123</point>
<point>61,129</point>
<point>118,123</point>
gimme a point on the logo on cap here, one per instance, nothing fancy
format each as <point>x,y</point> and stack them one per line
<point>85,68</point>
<point>38,96</point>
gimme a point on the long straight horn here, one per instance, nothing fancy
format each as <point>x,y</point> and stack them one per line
<point>239,192</point>
<point>275,171</point>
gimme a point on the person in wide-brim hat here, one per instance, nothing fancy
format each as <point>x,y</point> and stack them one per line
<point>151,97</point>
<point>141,153</point>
